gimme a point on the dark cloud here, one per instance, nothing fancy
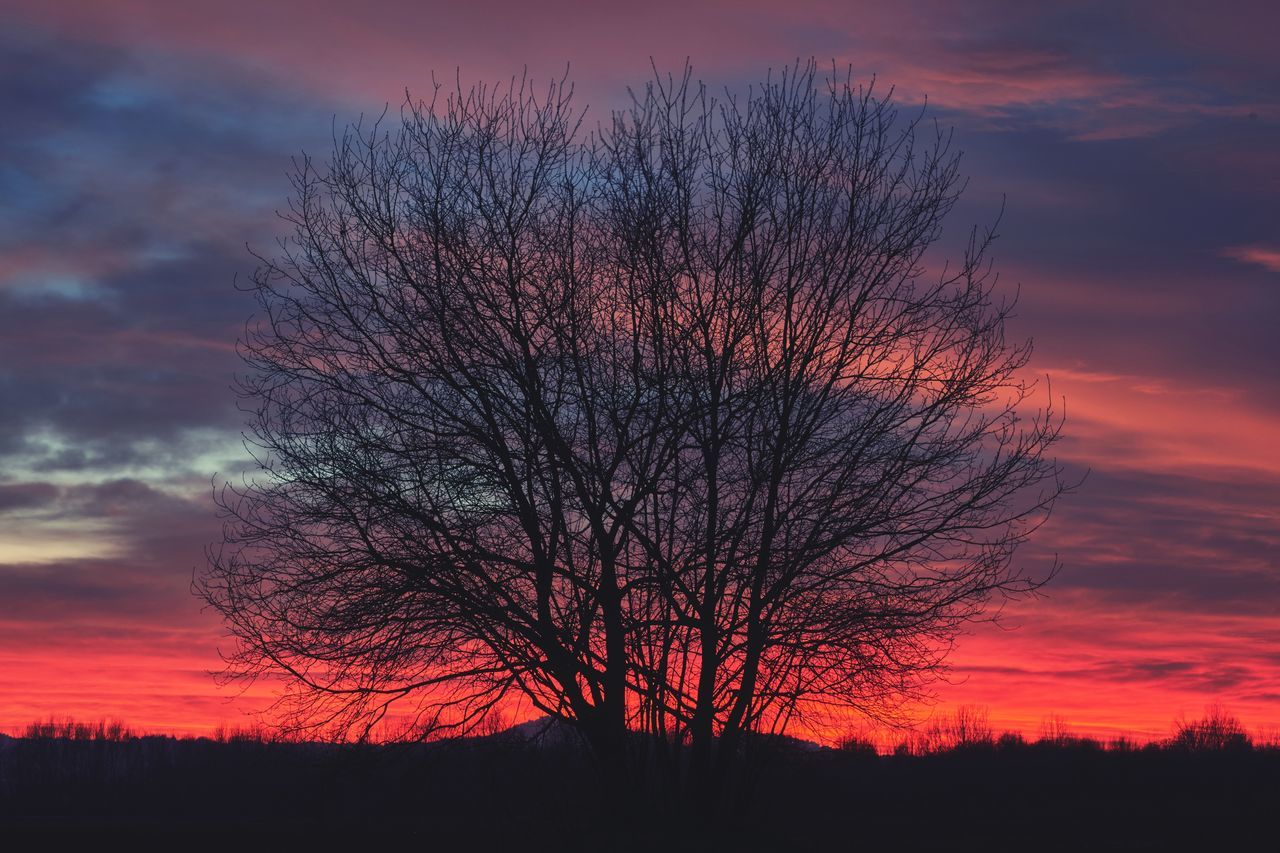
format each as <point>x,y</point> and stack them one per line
<point>131,193</point>
<point>1119,247</point>
<point>153,361</point>
<point>157,538</point>
<point>1194,676</point>
<point>18,496</point>
<point>1191,543</point>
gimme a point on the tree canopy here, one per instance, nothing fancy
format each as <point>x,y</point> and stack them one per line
<point>664,427</point>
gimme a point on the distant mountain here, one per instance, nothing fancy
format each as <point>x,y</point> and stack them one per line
<point>544,733</point>
<point>550,733</point>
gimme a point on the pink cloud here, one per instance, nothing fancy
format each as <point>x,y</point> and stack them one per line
<point>1262,256</point>
<point>1160,423</point>
<point>921,48</point>
<point>373,56</point>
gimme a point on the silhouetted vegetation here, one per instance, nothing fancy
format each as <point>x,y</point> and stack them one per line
<point>71,729</point>
<point>1217,730</point>
<point>531,787</point>
<point>666,427</point>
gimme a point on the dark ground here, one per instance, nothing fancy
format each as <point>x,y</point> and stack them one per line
<point>494,794</point>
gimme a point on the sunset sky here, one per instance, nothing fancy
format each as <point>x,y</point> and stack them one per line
<point>1137,146</point>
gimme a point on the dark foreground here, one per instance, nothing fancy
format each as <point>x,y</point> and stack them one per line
<point>494,794</point>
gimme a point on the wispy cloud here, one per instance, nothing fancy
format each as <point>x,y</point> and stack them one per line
<point>1266,257</point>
<point>1164,424</point>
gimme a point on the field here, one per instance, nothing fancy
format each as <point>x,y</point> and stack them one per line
<point>507,792</point>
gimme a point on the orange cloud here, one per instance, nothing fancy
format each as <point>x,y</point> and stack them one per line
<point>1161,424</point>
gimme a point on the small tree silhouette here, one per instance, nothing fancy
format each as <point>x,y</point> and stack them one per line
<point>1216,730</point>
<point>969,726</point>
<point>1054,729</point>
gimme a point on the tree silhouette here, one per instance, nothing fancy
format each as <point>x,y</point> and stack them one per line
<point>664,428</point>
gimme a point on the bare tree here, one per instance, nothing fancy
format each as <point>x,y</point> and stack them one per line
<point>665,429</point>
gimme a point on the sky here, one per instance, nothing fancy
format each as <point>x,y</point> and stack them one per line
<point>1135,146</point>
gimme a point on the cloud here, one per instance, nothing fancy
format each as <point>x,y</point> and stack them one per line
<point>1267,258</point>
<point>1110,667</point>
<point>1165,424</point>
<point>131,195</point>
<point>19,496</point>
<point>1200,543</point>
<point>113,632</point>
<point>95,522</point>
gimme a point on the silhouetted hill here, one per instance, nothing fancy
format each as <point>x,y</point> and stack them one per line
<point>542,733</point>
<point>550,733</point>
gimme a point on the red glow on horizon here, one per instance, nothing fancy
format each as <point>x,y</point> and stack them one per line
<point>1128,665</point>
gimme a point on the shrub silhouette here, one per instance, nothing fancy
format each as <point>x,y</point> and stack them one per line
<point>1216,730</point>
<point>857,743</point>
<point>1055,729</point>
<point>1011,740</point>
